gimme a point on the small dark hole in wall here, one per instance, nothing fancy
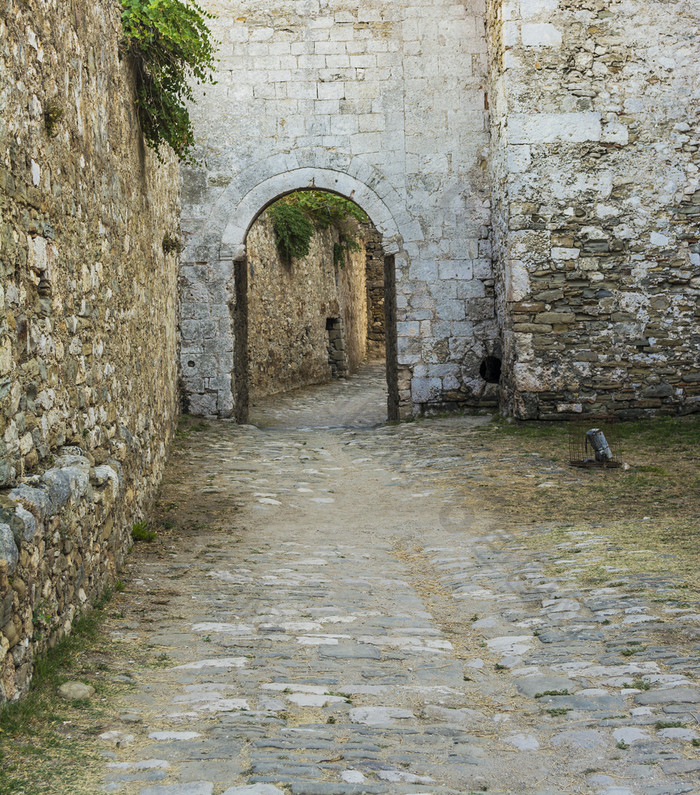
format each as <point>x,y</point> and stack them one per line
<point>190,363</point>
<point>490,369</point>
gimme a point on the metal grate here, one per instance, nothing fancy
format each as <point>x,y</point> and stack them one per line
<point>594,442</point>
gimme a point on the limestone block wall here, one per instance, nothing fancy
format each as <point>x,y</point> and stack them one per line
<point>288,308</point>
<point>385,103</point>
<point>595,111</point>
<point>88,311</point>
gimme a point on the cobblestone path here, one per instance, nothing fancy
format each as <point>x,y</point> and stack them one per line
<point>337,624</point>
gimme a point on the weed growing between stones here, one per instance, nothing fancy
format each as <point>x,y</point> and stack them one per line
<point>556,712</point>
<point>52,116</point>
<point>637,684</point>
<point>141,532</point>
<point>630,651</point>
<point>171,244</point>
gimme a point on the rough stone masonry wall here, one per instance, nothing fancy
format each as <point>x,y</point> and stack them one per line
<point>376,336</point>
<point>595,111</point>
<point>288,306</point>
<point>87,319</point>
<point>383,102</point>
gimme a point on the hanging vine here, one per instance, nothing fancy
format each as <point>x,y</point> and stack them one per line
<point>170,45</point>
<point>297,217</point>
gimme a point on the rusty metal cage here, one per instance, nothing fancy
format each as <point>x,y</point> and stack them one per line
<point>594,442</point>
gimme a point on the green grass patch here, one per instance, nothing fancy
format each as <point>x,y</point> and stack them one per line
<point>552,693</point>
<point>632,650</point>
<point>668,724</point>
<point>637,684</point>
<point>46,743</point>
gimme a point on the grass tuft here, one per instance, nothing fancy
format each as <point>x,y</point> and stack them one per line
<point>141,532</point>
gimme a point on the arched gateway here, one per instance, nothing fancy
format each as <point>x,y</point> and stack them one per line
<point>225,276</point>
<point>538,211</point>
<point>320,95</point>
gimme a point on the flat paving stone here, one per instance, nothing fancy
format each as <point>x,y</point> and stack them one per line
<point>332,621</point>
<point>675,695</point>
<point>193,788</point>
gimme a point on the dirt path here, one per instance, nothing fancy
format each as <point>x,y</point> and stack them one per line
<point>328,617</point>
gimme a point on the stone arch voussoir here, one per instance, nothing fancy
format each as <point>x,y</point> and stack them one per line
<point>255,188</point>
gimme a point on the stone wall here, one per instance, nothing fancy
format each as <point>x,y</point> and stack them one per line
<point>352,295</point>
<point>87,319</point>
<point>288,310</point>
<point>596,105</point>
<point>384,103</point>
<point>563,240</point>
<point>376,332</point>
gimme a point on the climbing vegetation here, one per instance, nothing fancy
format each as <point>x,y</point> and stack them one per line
<point>170,45</point>
<point>293,229</point>
<point>297,217</point>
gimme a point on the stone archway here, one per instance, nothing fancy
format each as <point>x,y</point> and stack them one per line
<point>220,385</point>
<point>382,104</point>
<point>380,202</point>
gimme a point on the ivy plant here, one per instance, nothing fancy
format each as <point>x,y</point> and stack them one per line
<point>293,230</point>
<point>296,218</point>
<point>170,45</point>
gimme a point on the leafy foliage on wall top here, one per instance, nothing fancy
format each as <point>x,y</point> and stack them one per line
<point>297,217</point>
<point>170,45</point>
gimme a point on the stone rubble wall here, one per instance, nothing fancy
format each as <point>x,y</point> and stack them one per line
<point>595,114</point>
<point>288,306</point>
<point>376,335</point>
<point>352,296</point>
<point>385,103</point>
<point>88,319</point>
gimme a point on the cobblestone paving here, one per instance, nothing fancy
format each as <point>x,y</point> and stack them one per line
<point>357,402</point>
<point>344,627</point>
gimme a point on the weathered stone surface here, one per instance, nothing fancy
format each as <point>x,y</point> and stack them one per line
<point>376,104</point>
<point>290,308</point>
<point>581,738</point>
<point>379,716</point>
<point>552,210</point>
<point>415,575</point>
<point>87,316</point>
<point>117,738</point>
<point>568,166</point>
<point>75,690</point>
<point>8,547</point>
<point>673,695</point>
<point>537,685</point>
<point>190,788</point>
